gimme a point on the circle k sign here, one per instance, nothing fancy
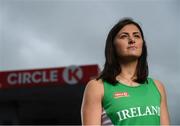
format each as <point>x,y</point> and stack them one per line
<point>72,74</point>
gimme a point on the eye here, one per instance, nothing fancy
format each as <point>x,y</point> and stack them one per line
<point>137,36</point>
<point>123,36</point>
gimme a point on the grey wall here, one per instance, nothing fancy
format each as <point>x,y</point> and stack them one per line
<point>50,33</point>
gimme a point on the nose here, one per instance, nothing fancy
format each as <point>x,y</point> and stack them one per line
<point>131,40</point>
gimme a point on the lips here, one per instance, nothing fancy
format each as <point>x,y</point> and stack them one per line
<point>132,47</point>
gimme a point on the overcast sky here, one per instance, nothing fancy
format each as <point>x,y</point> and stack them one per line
<point>55,33</point>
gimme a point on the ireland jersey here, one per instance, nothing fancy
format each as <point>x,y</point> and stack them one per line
<point>127,105</point>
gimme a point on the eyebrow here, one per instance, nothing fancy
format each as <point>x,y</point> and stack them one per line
<point>128,33</point>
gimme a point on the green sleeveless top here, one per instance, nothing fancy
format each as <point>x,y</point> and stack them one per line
<point>126,105</point>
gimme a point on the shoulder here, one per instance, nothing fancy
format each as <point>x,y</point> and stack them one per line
<point>159,84</point>
<point>95,88</point>
<point>95,84</point>
<point>161,87</point>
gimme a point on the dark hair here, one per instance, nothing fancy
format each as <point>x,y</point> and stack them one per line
<point>112,65</point>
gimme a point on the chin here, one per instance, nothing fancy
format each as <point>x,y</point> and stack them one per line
<point>132,57</point>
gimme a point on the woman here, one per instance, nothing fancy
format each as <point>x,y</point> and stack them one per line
<point>124,94</point>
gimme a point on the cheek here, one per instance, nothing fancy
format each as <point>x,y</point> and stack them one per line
<point>140,44</point>
<point>120,46</point>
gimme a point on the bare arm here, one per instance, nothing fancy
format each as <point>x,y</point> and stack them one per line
<point>91,107</point>
<point>164,107</point>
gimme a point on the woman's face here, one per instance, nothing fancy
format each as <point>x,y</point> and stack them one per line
<point>128,42</point>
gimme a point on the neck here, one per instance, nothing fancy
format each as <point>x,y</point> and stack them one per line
<point>128,69</point>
